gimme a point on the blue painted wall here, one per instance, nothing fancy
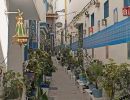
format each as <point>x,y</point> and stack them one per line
<point>115,34</point>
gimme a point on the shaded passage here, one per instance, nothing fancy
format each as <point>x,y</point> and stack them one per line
<point>62,87</point>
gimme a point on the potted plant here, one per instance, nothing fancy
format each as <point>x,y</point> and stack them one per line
<point>122,84</point>
<point>13,85</point>
<point>115,79</point>
<point>40,63</point>
<point>94,73</point>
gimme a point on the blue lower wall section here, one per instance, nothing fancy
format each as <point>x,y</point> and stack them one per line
<point>115,34</point>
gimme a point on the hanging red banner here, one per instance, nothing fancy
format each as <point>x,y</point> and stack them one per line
<point>126,11</point>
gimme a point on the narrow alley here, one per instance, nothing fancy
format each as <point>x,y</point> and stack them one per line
<point>62,87</point>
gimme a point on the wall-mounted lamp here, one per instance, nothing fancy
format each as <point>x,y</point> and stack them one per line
<point>20,37</point>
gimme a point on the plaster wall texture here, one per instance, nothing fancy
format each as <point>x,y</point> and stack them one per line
<point>15,52</point>
<point>3,33</point>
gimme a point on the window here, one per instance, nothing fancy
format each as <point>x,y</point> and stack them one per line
<point>106,9</point>
<point>99,25</point>
<point>107,52</point>
<point>115,15</point>
<point>128,50</point>
<point>92,20</point>
<point>126,3</point>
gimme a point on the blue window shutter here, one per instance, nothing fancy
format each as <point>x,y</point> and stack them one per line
<point>126,3</point>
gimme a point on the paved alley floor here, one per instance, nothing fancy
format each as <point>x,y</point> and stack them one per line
<point>62,87</point>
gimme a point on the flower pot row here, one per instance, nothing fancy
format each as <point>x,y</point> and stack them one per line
<point>84,84</point>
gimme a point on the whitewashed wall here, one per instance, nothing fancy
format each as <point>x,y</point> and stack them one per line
<point>58,5</point>
<point>3,30</point>
<point>41,9</point>
<point>75,5</point>
<point>117,52</point>
<point>15,52</point>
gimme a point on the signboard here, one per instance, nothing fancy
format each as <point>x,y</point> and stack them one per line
<point>59,24</point>
<point>126,11</point>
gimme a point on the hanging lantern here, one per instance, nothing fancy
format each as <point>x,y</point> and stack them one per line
<point>20,37</point>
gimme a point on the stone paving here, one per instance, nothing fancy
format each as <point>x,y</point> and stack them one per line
<point>62,87</point>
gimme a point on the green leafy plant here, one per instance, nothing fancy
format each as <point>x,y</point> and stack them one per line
<point>13,85</point>
<point>115,79</point>
<point>110,76</point>
<point>123,82</point>
<point>80,58</point>
<point>95,71</point>
<point>66,56</point>
<point>40,63</point>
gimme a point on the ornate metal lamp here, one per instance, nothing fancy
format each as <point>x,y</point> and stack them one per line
<point>20,37</point>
